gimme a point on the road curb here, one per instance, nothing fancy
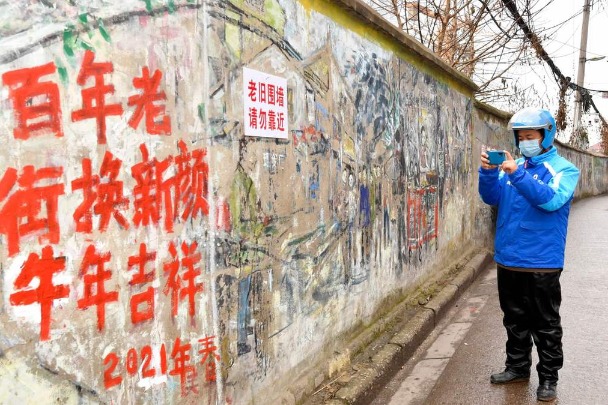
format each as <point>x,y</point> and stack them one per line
<point>389,358</point>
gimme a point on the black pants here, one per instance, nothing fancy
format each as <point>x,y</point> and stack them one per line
<point>530,303</point>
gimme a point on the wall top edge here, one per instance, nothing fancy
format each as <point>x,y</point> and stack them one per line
<point>500,114</point>
<point>370,16</point>
<point>586,152</point>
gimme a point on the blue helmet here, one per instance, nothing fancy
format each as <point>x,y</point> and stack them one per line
<point>534,118</point>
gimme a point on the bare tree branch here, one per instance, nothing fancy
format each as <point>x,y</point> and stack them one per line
<point>469,35</point>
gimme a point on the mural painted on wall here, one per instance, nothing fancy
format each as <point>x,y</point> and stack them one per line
<point>153,253</point>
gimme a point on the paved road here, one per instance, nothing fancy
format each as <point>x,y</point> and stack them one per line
<point>454,365</point>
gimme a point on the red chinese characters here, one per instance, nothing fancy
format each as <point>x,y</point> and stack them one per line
<point>23,212</point>
<point>151,361</point>
<point>252,88</point>
<point>141,277</point>
<point>103,195</point>
<point>94,291</point>
<point>88,184</point>
<point>95,106</point>
<point>266,93</point>
<point>264,119</point>
<point>151,190</point>
<point>272,94</point>
<point>164,191</point>
<point>191,182</point>
<point>94,98</point>
<point>144,103</point>
<point>184,285</point>
<point>265,104</point>
<point>36,103</point>
<point>109,194</point>
<point>32,207</point>
<point>183,195</point>
<point>182,367</point>
<point>209,357</point>
<point>253,117</point>
<point>42,268</point>
<point>263,115</point>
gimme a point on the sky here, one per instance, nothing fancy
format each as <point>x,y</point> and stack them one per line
<point>563,47</point>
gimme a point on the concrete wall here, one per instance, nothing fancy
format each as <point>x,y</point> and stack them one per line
<point>152,253</point>
<point>594,171</point>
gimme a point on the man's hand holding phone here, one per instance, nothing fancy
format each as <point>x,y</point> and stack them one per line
<point>495,158</point>
<point>509,166</point>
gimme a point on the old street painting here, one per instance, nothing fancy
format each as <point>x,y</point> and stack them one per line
<point>153,251</point>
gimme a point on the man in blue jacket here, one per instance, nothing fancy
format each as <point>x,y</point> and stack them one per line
<point>533,195</point>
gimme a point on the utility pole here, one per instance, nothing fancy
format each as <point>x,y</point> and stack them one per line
<point>582,58</point>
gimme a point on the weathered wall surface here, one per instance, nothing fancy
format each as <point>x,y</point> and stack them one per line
<point>594,171</point>
<point>151,253</point>
<point>489,132</point>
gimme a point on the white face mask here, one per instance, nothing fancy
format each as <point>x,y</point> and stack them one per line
<point>530,148</point>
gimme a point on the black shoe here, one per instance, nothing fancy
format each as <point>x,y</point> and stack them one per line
<point>546,391</point>
<point>508,376</point>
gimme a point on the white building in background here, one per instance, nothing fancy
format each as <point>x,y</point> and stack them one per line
<point>592,123</point>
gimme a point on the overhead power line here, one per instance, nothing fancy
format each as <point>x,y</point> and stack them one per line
<point>542,54</point>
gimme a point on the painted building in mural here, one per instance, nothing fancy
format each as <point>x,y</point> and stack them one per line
<point>174,233</point>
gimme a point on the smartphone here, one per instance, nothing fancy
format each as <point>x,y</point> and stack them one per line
<point>496,157</point>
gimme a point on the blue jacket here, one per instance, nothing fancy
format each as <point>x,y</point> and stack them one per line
<point>533,206</point>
